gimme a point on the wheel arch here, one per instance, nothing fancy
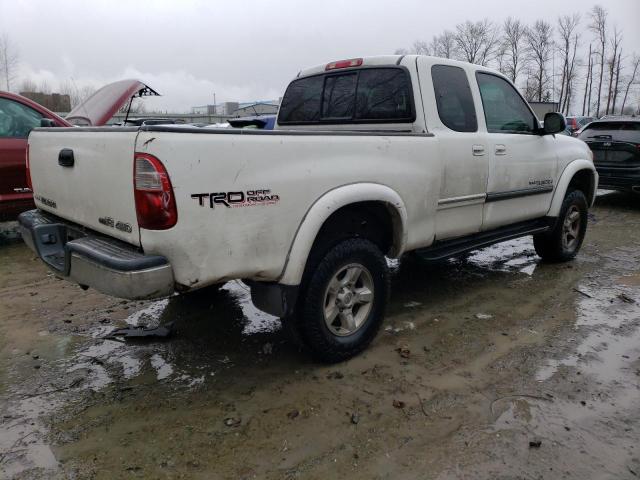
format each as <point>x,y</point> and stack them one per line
<point>354,197</point>
<point>580,174</point>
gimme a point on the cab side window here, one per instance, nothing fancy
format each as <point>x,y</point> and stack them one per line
<point>16,119</point>
<point>504,109</point>
<point>453,98</point>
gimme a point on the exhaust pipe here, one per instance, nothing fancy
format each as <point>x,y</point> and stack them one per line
<point>635,189</point>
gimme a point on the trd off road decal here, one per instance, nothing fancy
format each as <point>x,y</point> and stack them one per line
<point>247,198</point>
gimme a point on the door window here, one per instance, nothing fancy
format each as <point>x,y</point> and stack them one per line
<point>453,98</point>
<point>505,111</point>
<point>16,119</point>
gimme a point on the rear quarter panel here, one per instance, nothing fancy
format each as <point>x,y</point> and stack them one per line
<point>220,243</point>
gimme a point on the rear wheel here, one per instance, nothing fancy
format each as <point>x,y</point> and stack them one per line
<point>564,241</point>
<point>343,299</point>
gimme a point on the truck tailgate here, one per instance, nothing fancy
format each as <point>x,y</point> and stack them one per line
<point>94,188</point>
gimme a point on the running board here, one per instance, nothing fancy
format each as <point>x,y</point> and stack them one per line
<point>448,248</point>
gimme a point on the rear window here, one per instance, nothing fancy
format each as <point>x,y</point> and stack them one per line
<point>628,126</point>
<point>368,95</point>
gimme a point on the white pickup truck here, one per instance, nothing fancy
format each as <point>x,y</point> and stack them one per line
<point>370,157</point>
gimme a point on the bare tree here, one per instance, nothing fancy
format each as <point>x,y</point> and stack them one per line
<point>586,83</point>
<point>616,89</point>
<point>567,26</point>
<point>631,81</point>
<point>137,106</point>
<point>420,47</point>
<point>44,87</point>
<point>540,44</point>
<point>571,76</point>
<point>501,58</point>
<point>444,45</point>
<point>9,61</point>
<point>515,48</point>
<point>28,85</point>
<point>598,25</point>
<point>476,41</point>
<point>611,63</point>
<point>77,95</point>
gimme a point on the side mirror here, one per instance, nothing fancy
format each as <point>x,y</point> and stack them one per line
<point>47,123</point>
<point>554,122</point>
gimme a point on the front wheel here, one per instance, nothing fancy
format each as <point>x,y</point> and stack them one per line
<point>343,300</point>
<point>564,241</point>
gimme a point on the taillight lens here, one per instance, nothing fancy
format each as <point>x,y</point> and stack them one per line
<point>155,202</point>
<point>28,169</point>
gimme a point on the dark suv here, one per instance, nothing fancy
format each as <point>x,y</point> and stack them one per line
<point>616,152</point>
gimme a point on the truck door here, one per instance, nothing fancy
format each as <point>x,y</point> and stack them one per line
<point>451,117</point>
<point>522,163</point>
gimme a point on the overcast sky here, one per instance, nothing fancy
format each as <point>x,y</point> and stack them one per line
<point>243,50</point>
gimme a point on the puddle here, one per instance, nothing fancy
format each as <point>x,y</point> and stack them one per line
<point>228,360</point>
<point>96,364</point>
<point>610,314</point>
<point>22,444</point>
<point>513,255</point>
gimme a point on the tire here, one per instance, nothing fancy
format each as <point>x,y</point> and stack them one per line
<point>342,300</point>
<point>564,241</point>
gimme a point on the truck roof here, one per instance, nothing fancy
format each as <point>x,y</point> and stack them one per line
<point>387,60</point>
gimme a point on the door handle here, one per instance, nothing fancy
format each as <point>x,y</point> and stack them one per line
<point>478,150</point>
<point>65,158</point>
<point>501,150</point>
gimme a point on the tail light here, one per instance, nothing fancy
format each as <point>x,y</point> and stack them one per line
<point>352,62</point>
<point>28,169</point>
<point>155,202</point>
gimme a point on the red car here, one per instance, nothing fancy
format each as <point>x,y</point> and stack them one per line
<point>19,115</point>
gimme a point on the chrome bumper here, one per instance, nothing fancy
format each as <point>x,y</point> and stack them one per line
<point>92,260</point>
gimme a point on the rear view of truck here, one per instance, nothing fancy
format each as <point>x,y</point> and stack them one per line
<point>91,205</point>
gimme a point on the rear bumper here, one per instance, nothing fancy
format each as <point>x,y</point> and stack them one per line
<point>93,260</point>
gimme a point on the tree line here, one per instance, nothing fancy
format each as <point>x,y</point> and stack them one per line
<point>550,61</point>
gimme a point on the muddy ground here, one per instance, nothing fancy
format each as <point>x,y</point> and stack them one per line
<point>492,366</point>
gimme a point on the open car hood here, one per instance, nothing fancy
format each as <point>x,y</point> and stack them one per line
<point>98,109</point>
